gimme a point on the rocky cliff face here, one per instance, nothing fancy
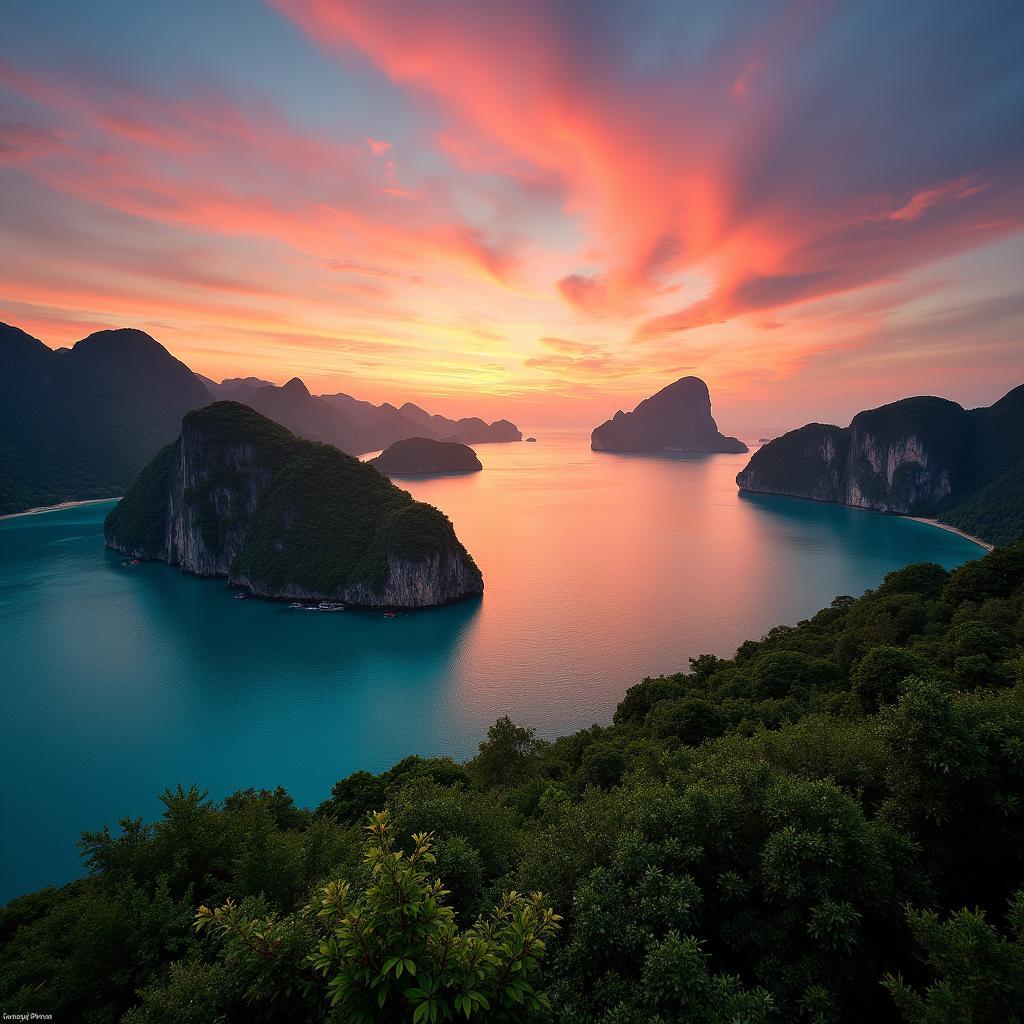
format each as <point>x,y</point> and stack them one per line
<point>808,463</point>
<point>898,476</point>
<point>677,419</point>
<point>436,579</point>
<point>904,457</point>
<point>239,496</point>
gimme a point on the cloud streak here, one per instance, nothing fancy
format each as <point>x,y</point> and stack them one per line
<point>528,197</point>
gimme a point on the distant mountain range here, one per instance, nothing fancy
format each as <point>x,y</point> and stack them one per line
<point>352,425</point>
<point>923,456</point>
<point>81,423</point>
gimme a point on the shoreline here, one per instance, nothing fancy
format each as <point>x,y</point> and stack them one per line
<point>40,509</point>
<point>952,529</point>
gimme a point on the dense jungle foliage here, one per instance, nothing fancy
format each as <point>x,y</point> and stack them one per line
<point>320,518</point>
<point>827,827</point>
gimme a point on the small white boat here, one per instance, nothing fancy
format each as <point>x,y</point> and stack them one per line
<point>331,606</point>
<point>239,596</point>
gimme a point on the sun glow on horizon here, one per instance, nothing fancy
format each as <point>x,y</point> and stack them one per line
<point>522,210</point>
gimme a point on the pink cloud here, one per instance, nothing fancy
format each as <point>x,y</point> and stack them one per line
<point>665,179</point>
<point>925,199</point>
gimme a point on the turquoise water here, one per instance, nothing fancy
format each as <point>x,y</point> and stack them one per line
<point>600,569</point>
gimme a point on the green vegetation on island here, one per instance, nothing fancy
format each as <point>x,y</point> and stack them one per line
<point>240,496</point>
<point>924,456</point>
<point>414,456</point>
<point>827,827</point>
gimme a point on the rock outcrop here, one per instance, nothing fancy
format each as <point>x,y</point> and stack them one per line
<point>807,463</point>
<point>239,496</point>
<point>921,456</point>
<point>677,419</point>
<point>421,456</point>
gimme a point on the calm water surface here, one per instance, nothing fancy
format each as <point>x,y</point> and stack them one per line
<point>599,568</point>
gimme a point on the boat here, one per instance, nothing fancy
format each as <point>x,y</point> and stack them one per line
<point>239,596</point>
<point>331,606</point>
<point>389,615</point>
<point>296,604</point>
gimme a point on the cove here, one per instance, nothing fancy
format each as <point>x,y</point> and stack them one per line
<point>600,569</point>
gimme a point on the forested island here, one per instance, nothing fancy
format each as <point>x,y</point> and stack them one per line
<point>825,827</point>
<point>421,456</point>
<point>924,456</point>
<point>239,496</point>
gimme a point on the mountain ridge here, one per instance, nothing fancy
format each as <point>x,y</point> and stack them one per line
<point>923,456</point>
<point>80,423</point>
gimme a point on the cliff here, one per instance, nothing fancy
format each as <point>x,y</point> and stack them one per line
<point>677,419</point>
<point>239,496</point>
<point>809,463</point>
<point>414,456</point>
<point>924,456</point>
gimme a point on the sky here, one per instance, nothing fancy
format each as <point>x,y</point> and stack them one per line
<point>539,209</point>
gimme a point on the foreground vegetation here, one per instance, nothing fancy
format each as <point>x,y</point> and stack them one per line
<point>826,827</point>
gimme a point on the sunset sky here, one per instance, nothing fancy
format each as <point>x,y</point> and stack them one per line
<point>542,210</point>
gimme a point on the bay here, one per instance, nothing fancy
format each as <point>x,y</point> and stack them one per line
<point>118,682</point>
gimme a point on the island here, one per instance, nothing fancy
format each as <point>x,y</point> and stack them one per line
<point>677,419</point>
<point>239,496</point>
<point>921,456</point>
<point>423,456</point>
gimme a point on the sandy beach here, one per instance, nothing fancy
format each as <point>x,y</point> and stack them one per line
<point>57,508</point>
<point>952,529</point>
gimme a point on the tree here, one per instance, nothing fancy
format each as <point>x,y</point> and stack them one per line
<point>506,756</point>
<point>690,719</point>
<point>393,952</point>
<point>979,974</point>
<point>876,679</point>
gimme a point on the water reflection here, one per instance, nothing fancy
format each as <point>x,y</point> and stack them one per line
<point>600,568</point>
